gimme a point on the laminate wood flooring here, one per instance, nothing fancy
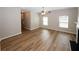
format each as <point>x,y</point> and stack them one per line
<point>38,40</point>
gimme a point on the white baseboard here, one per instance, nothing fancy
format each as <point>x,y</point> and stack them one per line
<point>34,28</point>
<point>66,31</point>
<point>10,36</point>
<point>60,30</point>
<point>31,28</point>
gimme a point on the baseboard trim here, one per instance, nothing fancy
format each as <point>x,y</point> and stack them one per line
<point>34,28</point>
<point>61,31</point>
<point>66,32</point>
<point>9,36</point>
<point>31,28</point>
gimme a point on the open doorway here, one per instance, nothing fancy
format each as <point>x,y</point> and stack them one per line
<point>22,20</point>
<point>25,20</point>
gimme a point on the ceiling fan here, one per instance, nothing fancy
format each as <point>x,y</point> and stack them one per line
<point>44,11</point>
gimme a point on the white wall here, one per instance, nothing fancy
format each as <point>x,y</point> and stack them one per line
<point>77,27</point>
<point>34,21</point>
<point>78,19</point>
<point>53,19</point>
<point>1,22</point>
<point>10,22</point>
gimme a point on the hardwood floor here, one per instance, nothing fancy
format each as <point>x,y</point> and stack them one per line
<point>38,40</point>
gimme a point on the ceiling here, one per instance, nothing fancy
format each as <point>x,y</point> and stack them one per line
<point>39,9</point>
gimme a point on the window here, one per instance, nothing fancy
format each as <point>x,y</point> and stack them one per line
<point>45,20</point>
<point>63,21</point>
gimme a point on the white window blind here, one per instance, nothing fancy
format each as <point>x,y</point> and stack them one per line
<point>63,21</point>
<point>45,20</point>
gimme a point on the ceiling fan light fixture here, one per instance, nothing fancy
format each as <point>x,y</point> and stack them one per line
<point>43,13</point>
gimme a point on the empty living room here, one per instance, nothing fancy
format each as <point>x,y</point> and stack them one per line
<point>39,28</point>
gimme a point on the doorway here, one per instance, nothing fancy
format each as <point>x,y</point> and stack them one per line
<point>25,20</point>
<point>23,15</point>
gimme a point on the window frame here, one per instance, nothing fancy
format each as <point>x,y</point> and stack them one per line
<point>43,23</point>
<point>63,22</point>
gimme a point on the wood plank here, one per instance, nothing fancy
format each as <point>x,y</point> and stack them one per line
<point>38,40</point>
